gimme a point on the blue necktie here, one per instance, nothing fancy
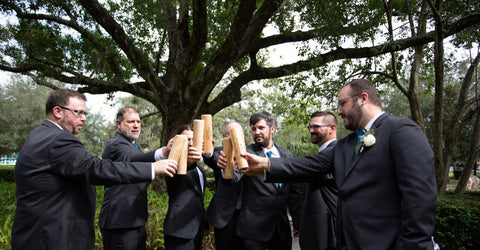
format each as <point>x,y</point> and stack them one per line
<point>359,143</point>
<point>269,154</point>
<point>135,144</point>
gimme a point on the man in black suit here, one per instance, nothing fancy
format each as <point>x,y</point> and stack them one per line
<point>263,222</point>
<point>184,222</point>
<point>224,208</point>
<point>55,176</point>
<point>124,208</point>
<point>386,181</point>
<point>318,220</point>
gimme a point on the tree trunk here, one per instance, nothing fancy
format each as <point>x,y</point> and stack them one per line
<point>412,94</point>
<point>467,170</point>
<point>441,171</point>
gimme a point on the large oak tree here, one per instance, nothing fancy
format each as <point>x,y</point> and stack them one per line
<point>173,53</point>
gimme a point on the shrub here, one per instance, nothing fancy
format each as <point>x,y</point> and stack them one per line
<point>7,173</point>
<point>158,205</point>
<point>458,221</point>
<point>7,212</point>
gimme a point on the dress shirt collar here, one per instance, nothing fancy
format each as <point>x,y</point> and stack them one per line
<point>60,127</point>
<point>325,145</point>
<point>370,123</point>
<point>274,150</point>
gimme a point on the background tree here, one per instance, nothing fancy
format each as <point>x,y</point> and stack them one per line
<point>22,105</point>
<point>192,57</point>
<point>95,133</point>
<point>174,53</point>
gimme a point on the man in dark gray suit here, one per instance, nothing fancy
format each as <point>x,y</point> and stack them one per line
<point>55,176</point>
<point>263,222</point>
<point>184,222</point>
<point>386,181</point>
<point>319,213</point>
<point>124,208</point>
<point>224,208</point>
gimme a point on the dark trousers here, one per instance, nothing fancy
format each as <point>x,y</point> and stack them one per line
<point>124,238</point>
<point>226,238</point>
<point>275,243</point>
<point>176,243</point>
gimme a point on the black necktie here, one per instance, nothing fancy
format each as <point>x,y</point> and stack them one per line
<point>269,154</point>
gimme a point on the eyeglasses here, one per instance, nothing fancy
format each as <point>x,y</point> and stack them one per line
<point>342,102</point>
<point>317,126</point>
<point>78,113</point>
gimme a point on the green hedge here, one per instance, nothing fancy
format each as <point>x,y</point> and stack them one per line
<point>458,221</point>
<point>457,225</point>
<point>158,205</point>
<point>7,173</point>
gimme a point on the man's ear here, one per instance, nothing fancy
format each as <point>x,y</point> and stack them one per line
<point>57,112</point>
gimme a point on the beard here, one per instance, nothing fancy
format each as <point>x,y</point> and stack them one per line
<point>354,117</point>
<point>318,138</point>
<point>127,133</point>
<point>70,126</point>
<point>264,143</point>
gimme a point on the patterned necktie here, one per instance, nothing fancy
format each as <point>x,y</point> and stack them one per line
<point>135,144</point>
<point>359,142</point>
<point>269,154</point>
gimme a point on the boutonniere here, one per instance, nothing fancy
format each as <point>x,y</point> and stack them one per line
<point>369,138</point>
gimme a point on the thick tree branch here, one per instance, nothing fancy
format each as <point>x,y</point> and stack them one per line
<point>227,52</point>
<point>460,105</point>
<point>199,34</point>
<point>246,27</point>
<point>259,73</point>
<point>72,24</point>
<point>259,20</point>
<point>300,36</point>
<point>103,17</point>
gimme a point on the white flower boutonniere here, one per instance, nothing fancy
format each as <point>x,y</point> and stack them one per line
<point>369,138</point>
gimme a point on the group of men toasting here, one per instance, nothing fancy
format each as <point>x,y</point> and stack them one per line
<point>372,189</point>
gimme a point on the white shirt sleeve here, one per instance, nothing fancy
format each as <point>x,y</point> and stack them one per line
<point>153,172</point>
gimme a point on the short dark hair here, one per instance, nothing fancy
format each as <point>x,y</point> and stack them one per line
<point>332,119</point>
<point>360,86</point>
<point>262,115</point>
<point>61,97</point>
<point>121,112</point>
<point>182,128</point>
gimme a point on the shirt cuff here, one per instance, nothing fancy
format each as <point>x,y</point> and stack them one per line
<point>153,171</point>
<point>159,154</point>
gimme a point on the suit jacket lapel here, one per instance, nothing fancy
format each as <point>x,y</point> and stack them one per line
<point>120,135</point>
<point>202,191</point>
<point>259,151</point>
<point>349,151</point>
<point>195,180</point>
<point>352,162</point>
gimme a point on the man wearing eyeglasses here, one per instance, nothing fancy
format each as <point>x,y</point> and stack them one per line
<point>55,175</point>
<point>385,177</point>
<point>319,213</point>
